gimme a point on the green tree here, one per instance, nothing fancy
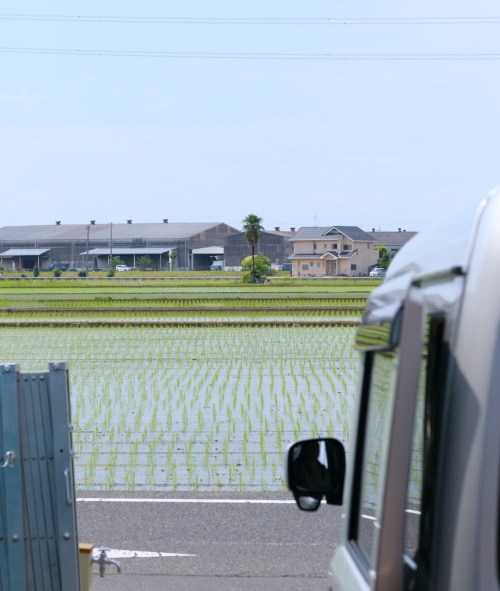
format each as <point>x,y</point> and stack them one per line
<point>36,271</point>
<point>172,255</point>
<point>144,261</point>
<point>57,272</point>
<point>253,230</point>
<point>116,260</point>
<point>384,258</point>
<point>261,268</point>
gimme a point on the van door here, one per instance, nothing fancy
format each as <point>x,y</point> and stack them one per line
<point>371,556</point>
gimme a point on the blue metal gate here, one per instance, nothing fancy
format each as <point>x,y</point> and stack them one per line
<point>38,535</point>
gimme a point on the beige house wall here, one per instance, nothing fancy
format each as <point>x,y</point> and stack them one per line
<point>365,258</point>
<point>322,246</point>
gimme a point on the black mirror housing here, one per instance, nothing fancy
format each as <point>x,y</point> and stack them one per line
<point>315,468</point>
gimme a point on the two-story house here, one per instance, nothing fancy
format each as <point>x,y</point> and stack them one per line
<point>329,251</point>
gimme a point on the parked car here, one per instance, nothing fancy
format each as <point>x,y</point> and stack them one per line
<point>378,272</point>
<point>286,267</point>
<point>62,266</point>
<point>421,499</point>
<point>122,268</point>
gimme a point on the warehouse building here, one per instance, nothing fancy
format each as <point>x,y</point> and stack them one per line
<point>273,244</point>
<point>91,245</point>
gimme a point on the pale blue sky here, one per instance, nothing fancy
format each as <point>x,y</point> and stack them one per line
<point>382,144</point>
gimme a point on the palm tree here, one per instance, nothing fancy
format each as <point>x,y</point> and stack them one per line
<point>253,229</point>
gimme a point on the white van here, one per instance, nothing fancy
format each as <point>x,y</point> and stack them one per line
<point>422,485</point>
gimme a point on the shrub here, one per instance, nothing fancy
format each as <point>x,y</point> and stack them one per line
<point>57,272</point>
<point>262,268</point>
<point>116,260</point>
<point>36,271</point>
<point>110,273</point>
<point>144,261</point>
<point>82,273</point>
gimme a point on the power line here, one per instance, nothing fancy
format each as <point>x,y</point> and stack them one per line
<point>460,20</point>
<point>260,56</point>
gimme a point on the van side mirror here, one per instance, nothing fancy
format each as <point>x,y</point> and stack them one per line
<point>315,468</point>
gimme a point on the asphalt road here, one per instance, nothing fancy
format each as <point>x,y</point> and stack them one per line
<point>234,546</point>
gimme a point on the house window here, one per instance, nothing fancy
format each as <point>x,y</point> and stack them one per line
<point>347,247</point>
<point>368,245</point>
<point>314,244</point>
<point>319,264</point>
<point>353,267</point>
<point>334,246</point>
<point>305,267</point>
<point>325,245</point>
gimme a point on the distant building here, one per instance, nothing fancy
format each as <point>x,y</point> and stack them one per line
<point>332,250</point>
<point>394,241</point>
<point>23,247</point>
<point>273,244</point>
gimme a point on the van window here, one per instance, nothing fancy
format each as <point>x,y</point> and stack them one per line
<point>379,389</point>
<point>380,404</point>
<point>421,496</point>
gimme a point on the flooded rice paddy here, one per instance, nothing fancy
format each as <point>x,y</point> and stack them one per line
<point>198,408</point>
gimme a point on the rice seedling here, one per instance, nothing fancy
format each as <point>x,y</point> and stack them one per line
<point>164,394</point>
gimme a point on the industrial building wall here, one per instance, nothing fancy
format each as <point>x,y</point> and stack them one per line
<point>275,247</point>
<point>68,251</point>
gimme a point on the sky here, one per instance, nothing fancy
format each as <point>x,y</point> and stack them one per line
<point>377,143</point>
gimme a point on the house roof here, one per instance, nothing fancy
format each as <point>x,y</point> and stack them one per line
<point>174,231</point>
<point>345,254</point>
<point>354,233</point>
<point>392,238</point>
<point>286,233</point>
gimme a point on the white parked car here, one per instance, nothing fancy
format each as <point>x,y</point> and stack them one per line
<point>420,479</point>
<point>122,268</point>
<point>378,272</point>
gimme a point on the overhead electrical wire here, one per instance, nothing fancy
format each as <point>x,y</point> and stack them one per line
<point>259,56</point>
<point>459,20</point>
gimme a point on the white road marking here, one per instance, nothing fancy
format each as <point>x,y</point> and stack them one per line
<point>137,554</point>
<point>234,501</point>
<point>229,501</point>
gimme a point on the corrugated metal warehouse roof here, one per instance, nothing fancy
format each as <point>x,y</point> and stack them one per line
<point>24,252</point>
<point>215,250</point>
<point>117,251</point>
<point>164,231</point>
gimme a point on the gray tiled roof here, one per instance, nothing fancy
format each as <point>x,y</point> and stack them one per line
<point>170,231</point>
<point>354,233</point>
<point>285,233</point>
<point>328,232</point>
<point>392,238</point>
<point>310,233</point>
<point>345,254</point>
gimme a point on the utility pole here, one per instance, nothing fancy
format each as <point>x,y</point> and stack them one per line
<point>110,245</point>
<point>87,254</point>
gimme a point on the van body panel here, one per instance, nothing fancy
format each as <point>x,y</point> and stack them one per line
<point>471,460</point>
<point>430,366</point>
<point>345,575</point>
